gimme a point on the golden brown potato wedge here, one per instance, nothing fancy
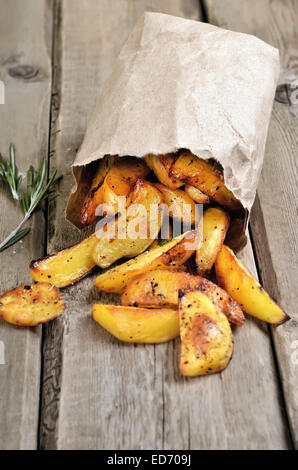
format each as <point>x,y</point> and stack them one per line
<point>196,194</point>
<point>181,206</point>
<point>31,305</point>
<point>138,325</point>
<point>204,176</point>
<point>206,336</point>
<point>160,288</point>
<point>160,165</point>
<point>120,181</point>
<point>215,226</point>
<point>67,266</point>
<point>170,256</point>
<point>95,196</point>
<point>233,276</point>
<point>133,231</point>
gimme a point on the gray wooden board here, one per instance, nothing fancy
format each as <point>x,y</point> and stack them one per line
<point>25,69</point>
<point>274,216</point>
<point>97,392</point>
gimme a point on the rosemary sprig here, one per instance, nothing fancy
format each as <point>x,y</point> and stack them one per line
<point>37,191</point>
<point>19,235</point>
<point>9,173</point>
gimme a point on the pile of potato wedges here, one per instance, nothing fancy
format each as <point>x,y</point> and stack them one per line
<point>191,285</point>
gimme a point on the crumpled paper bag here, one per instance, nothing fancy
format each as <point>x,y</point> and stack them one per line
<point>180,83</point>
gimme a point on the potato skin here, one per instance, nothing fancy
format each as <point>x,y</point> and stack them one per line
<point>138,325</point>
<point>67,266</point>
<point>202,174</point>
<point>161,165</point>
<point>160,288</point>
<point>108,250</point>
<point>215,226</point>
<point>206,336</point>
<point>233,276</point>
<point>170,256</point>
<point>31,305</point>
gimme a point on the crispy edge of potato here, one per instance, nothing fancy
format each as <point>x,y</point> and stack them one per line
<point>161,165</point>
<point>138,325</point>
<point>216,223</point>
<point>160,289</point>
<point>41,270</point>
<point>197,195</point>
<point>206,335</point>
<point>95,195</point>
<point>171,255</point>
<point>201,173</point>
<point>233,276</point>
<point>33,295</point>
<point>145,194</point>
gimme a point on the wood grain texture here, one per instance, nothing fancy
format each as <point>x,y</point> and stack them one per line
<point>25,69</point>
<point>274,216</point>
<point>82,407</point>
<point>102,394</point>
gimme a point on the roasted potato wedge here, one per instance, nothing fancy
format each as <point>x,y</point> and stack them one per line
<point>158,289</point>
<point>146,201</point>
<point>215,226</point>
<point>196,194</point>
<point>120,181</point>
<point>160,165</point>
<point>67,266</point>
<point>170,256</point>
<point>204,176</point>
<point>206,336</point>
<point>31,305</point>
<point>138,325</point>
<point>181,206</point>
<point>95,196</point>
<point>233,276</point>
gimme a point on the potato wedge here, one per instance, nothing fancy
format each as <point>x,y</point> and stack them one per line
<point>67,266</point>
<point>160,165</point>
<point>138,325</point>
<point>95,196</point>
<point>196,194</point>
<point>121,179</point>
<point>111,248</point>
<point>233,276</point>
<point>215,226</point>
<point>162,241</point>
<point>160,288</point>
<point>206,336</point>
<point>31,305</point>
<point>169,256</point>
<point>181,206</point>
<point>204,176</point>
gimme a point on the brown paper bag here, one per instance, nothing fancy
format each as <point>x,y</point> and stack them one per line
<point>184,84</point>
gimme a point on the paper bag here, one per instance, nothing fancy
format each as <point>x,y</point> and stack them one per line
<point>177,84</point>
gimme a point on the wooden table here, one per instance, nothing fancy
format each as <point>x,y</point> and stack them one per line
<point>71,385</point>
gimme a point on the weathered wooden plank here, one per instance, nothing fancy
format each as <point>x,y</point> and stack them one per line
<point>25,69</point>
<point>89,400</point>
<point>274,217</point>
<point>98,393</point>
